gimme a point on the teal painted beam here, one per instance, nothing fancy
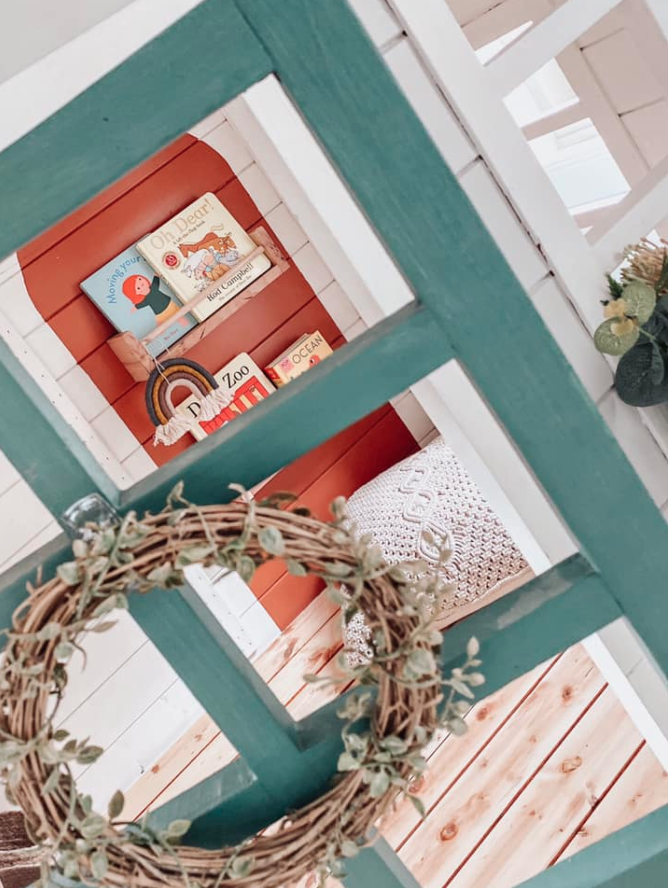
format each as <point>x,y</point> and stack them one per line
<point>568,598</point>
<point>355,380</point>
<point>348,97</point>
<point>41,446</point>
<point>248,808</point>
<point>634,857</point>
<point>152,98</point>
<point>13,582</point>
<point>229,688</point>
<point>378,867</point>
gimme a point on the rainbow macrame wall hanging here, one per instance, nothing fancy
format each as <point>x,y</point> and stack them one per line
<point>162,383</point>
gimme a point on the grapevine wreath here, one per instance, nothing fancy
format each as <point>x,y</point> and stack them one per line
<point>411,698</point>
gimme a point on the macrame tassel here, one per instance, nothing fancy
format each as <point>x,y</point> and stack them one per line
<point>180,425</point>
<point>214,402</point>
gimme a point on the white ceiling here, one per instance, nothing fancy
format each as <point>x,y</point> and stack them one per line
<point>32,29</point>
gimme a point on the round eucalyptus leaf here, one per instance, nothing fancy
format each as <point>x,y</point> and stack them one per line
<point>640,300</point>
<point>611,343</point>
<point>636,375</point>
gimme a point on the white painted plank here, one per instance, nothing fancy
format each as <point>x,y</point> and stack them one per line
<point>83,392</point>
<point>206,126</point>
<point>106,652</point>
<point>226,141</point>
<point>122,698</point>
<point>214,598</point>
<point>469,91</point>
<point>44,536</point>
<point>22,517</point>
<point>260,628</point>
<point>641,449</point>
<point>633,218</point>
<point>34,365</point>
<point>72,68</point>
<point>115,434</point>
<point>339,306</point>
<point>501,19</point>
<point>313,193</point>
<point>287,228</point>
<point>504,226</point>
<point>618,63</point>
<point>603,114</point>
<point>439,121</point>
<point>142,743</point>
<point>648,126</point>
<point>16,303</point>
<point>51,351</point>
<point>380,24</point>
<point>414,416</point>
<point>573,338</point>
<point>310,263</point>
<point>259,187</point>
<point>544,42</point>
<point>552,122</point>
<point>467,426</point>
<point>139,465</point>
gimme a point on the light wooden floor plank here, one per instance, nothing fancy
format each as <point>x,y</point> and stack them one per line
<point>463,817</point>
<point>566,788</point>
<point>641,789</point>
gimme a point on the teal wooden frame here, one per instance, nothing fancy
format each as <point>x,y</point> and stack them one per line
<point>371,135</point>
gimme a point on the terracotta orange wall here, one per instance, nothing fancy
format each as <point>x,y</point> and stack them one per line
<point>55,263</point>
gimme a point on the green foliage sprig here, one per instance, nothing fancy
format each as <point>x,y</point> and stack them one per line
<point>636,325</point>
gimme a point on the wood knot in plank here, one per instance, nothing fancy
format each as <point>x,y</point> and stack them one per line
<point>571,764</point>
<point>416,786</point>
<point>448,832</point>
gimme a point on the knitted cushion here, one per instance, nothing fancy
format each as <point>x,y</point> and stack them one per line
<point>432,491</point>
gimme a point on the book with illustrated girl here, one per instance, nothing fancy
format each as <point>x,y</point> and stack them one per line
<point>197,247</point>
<point>131,295</point>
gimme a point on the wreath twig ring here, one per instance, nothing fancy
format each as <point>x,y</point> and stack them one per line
<point>412,698</point>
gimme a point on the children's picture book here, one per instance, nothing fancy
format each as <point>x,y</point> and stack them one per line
<point>249,384</point>
<point>197,247</point>
<point>131,295</point>
<point>303,354</point>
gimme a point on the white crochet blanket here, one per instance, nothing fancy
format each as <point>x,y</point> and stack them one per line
<point>432,491</point>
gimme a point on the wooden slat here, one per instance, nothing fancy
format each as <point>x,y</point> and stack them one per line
<point>464,815</point>
<point>88,144</point>
<point>545,41</point>
<point>635,857</point>
<point>566,788</point>
<point>556,121</point>
<point>641,789</point>
<point>451,757</point>
<point>632,218</point>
